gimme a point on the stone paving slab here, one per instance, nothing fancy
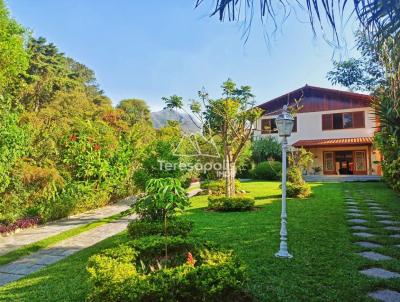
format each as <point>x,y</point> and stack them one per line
<point>395,236</point>
<point>380,273</point>
<point>359,227</point>
<point>385,295</point>
<point>34,262</point>
<point>363,234</point>
<point>368,244</point>
<point>374,256</point>
<point>28,236</point>
<point>383,215</point>
<point>381,212</point>
<point>392,228</point>
<point>389,222</point>
<point>357,220</point>
<point>355,214</point>
<point>353,210</point>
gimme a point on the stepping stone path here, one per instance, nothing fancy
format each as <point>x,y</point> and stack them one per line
<point>356,214</point>
<point>363,234</point>
<point>392,228</point>
<point>357,220</point>
<point>36,261</point>
<point>379,273</point>
<point>359,228</point>
<point>368,244</point>
<point>385,295</point>
<point>351,210</point>
<point>388,223</point>
<point>374,256</point>
<point>383,216</point>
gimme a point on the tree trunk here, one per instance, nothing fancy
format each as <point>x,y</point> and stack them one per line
<point>232,175</point>
<point>227,175</point>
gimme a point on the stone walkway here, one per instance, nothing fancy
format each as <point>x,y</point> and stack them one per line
<point>28,236</point>
<point>361,227</point>
<point>34,262</point>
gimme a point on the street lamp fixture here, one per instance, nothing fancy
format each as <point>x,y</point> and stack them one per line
<point>284,123</point>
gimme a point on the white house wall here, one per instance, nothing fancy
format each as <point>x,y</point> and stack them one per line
<point>309,126</point>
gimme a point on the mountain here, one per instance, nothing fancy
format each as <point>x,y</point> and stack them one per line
<point>160,119</point>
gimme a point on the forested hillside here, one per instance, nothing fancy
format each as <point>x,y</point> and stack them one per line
<point>63,147</point>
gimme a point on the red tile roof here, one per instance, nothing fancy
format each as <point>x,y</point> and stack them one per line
<point>332,142</point>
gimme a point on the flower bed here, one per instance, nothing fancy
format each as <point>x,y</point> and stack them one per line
<point>24,223</point>
<point>140,271</point>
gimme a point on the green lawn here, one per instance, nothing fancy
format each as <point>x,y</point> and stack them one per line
<point>324,268</point>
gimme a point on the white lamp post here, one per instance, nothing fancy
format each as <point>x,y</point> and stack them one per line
<point>284,123</point>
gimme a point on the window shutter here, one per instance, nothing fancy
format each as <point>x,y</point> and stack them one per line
<point>359,119</point>
<point>326,121</point>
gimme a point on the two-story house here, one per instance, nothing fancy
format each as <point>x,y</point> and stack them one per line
<point>336,126</point>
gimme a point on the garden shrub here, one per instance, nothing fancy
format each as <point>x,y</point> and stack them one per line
<point>238,203</point>
<point>217,187</point>
<point>298,190</point>
<point>193,272</point>
<point>265,149</point>
<point>267,170</point>
<point>175,227</point>
<point>164,198</point>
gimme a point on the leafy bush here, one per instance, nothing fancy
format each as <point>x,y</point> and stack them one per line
<point>217,187</point>
<point>164,197</point>
<point>175,227</point>
<point>265,149</point>
<point>267,170</point>
<point>239,203</point>
<point>298,190</point>
<point>296,186</point>
<point>192,273</point>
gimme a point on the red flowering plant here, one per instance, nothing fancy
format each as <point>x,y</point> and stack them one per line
<point>190,259</point>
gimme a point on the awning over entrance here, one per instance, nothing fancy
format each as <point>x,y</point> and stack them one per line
<point>334,142</point>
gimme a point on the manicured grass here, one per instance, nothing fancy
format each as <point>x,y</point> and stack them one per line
<point>324,268</point>
<point>34,247</point>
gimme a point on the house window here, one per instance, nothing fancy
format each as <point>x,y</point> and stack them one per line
<point>346,120</point>
<point>269,126</point>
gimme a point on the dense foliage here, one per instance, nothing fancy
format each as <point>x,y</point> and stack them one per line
<point>266,148</point>
<point>378,70</point>
<point>193,272</point>
<point>217,187</point>
<point>298,161</point>
<point>267,170</point>
<point>63,147</point>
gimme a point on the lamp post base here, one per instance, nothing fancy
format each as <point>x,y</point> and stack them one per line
<point>282,254</point>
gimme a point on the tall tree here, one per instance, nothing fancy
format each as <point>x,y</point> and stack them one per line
<point>230,118</point>
<point>13,57</point>
<point>136,110</point>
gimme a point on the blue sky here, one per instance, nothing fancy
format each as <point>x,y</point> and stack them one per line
<point>150,49</point>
